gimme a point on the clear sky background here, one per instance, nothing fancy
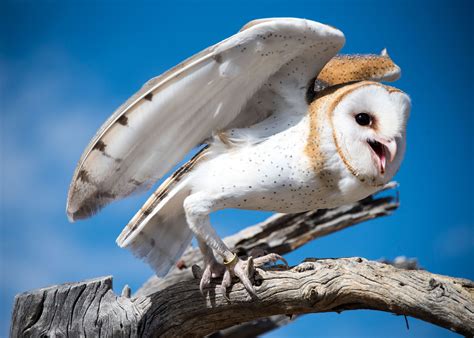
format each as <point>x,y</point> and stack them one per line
<point>65,66</point>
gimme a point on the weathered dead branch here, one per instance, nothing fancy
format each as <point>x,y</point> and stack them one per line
<point>174,306</point>
<point>91,308</point>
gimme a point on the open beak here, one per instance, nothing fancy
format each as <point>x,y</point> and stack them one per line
<point>383,149</point>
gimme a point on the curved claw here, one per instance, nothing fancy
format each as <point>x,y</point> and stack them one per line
<point>250,267</point>
<point>212,270</point>
<point>270,258</point>
<point>284,261</point>
<point>244,270</point>
<point>196,270</point>
<point>205,279</point>
<point>226,283</point>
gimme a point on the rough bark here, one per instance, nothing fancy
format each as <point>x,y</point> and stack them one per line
<point>261,326</point>
<point>91,308</point>
<point>174,307</point>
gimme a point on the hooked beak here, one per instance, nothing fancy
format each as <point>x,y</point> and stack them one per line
<point>382,150</point>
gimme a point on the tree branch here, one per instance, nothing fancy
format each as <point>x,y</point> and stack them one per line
<point>174,306</point>
<point>317,285</point>
<point>260,326</point>
<point>281,233</point>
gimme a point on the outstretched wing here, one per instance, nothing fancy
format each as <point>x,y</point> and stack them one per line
<point>176,111</point>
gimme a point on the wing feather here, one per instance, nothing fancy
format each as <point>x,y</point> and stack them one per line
<point>176,111</point>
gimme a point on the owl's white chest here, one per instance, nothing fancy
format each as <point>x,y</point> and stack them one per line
<point>276,174</point>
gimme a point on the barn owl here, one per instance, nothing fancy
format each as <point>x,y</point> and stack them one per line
<point>284,123</point>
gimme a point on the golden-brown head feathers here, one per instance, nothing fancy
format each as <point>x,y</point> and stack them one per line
<point>349,68</point>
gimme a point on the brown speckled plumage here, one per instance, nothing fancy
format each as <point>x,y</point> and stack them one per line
<point>350,68</point>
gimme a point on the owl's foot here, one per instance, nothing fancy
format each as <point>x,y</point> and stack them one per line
<point>213,269</point>
<point>245,271</point>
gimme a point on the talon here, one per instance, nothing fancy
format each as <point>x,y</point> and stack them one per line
<point>197,272</point>
<point>242,270</point>
<point>247,284</point>
<point>284,261</point>
<point>205,279</point>
<point>270,258</point>
<point>212,270</point>
<point>226,283</point>
<point>250,267</point>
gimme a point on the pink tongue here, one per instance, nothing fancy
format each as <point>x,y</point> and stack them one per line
<point>383,161</point>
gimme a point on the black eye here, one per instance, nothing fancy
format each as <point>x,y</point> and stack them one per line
<point>363,119</point>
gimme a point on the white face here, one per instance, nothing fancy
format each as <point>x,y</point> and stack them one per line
<point>370,129</point>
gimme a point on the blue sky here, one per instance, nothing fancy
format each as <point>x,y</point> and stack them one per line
<point>66,65</point>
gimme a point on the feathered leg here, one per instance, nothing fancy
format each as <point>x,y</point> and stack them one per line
<point>197,208</point>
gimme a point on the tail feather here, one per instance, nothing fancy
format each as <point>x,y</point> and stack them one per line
<point>163,241</point>
<point>159,233</point>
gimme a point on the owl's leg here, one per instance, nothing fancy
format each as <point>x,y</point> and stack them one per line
<point>213,269</point>
<point>198,207</point>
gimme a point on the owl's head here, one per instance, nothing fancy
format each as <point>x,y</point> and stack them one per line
<point>369,129</point>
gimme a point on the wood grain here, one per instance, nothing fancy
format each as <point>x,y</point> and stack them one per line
<point>91,308</point>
